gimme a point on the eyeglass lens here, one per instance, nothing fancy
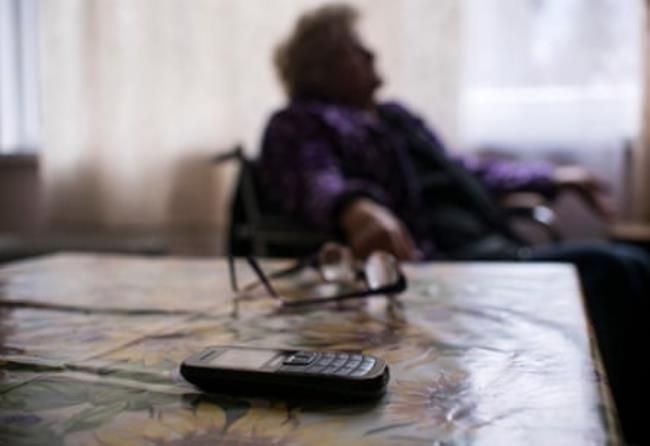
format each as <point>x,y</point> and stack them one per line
<point>381,270</point>
<point>336,263</point>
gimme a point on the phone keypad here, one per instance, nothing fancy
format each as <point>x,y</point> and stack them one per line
<point>329,363</point>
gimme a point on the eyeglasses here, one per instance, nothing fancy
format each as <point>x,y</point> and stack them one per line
<point>334,264</point>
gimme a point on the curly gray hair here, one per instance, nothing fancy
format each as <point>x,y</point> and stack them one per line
<point>303,61</point>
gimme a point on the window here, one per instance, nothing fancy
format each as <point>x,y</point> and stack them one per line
<point>20,120</point>
<point>562,72</point>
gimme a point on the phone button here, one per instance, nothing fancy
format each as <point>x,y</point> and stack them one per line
<point>353,362</point>
<point>330,370</point>
<point>345,370</point>
<point>323,362</point>
<point>359,372</point>
<point>300,358</point>
<point>366,365</point>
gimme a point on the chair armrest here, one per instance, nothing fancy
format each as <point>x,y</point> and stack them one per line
<point>534,208</point>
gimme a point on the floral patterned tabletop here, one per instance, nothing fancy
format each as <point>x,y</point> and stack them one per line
<point>480,353</point>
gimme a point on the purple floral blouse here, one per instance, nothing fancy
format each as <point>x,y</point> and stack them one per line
<point>317,157</point>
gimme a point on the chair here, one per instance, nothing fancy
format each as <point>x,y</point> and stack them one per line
<point>255,226</point>
<point>630,233</point>
<point>533,209</point>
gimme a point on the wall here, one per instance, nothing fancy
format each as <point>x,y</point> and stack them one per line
<point>20,195</point>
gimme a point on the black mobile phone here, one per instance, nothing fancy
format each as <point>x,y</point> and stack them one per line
<point>286,373</point>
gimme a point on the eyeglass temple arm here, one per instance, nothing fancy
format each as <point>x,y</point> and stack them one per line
<point>260,275</point>
<point>394,288</point>
<point>233,274</point>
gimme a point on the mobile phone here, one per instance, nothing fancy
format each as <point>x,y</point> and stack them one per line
<point>286,373</point>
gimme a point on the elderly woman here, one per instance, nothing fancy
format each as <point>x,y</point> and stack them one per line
<point>339,161</point>
<point>336,159</point>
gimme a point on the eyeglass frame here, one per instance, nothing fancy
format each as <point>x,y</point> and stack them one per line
<point>394,288</point>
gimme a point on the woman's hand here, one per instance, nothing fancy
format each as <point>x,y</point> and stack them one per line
<point>370,227</point>
<point>593,190</point>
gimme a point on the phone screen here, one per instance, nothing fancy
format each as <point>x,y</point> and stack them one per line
<point>243,358</point>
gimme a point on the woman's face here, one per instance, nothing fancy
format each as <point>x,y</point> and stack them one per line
<point>354,77</point>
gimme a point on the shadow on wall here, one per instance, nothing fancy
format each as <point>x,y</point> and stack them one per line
<point>21,204</point>
<point>199,206</point>
<point>77,202</point>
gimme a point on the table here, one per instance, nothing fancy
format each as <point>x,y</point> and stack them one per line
<point>480,353</point>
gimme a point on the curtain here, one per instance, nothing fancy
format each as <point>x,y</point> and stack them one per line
<point>641,173</point>
<point>139,94</point>
<point>19,86</point>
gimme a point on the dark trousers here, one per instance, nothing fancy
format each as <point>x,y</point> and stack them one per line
<point>616,283</point>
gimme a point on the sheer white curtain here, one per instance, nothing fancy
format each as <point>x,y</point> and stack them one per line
<point>138,94</point>
<point>565,72</point>
<point>19,87</point>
